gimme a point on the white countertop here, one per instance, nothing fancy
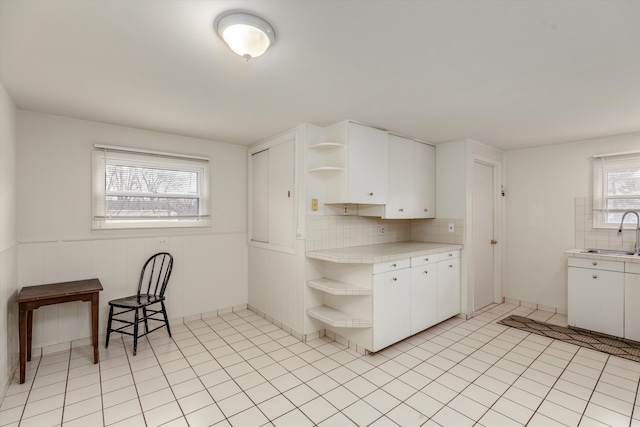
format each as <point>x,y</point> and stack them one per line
<point>372,254</point>
<point>579,253</point>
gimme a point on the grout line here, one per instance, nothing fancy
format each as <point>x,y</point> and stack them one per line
<point>446,336</point>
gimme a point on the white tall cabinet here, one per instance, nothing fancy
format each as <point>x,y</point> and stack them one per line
<point>272,194</point>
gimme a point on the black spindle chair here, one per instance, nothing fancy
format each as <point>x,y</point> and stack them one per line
<point>153,282</point>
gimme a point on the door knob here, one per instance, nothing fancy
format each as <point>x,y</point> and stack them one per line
<point>493,242</point>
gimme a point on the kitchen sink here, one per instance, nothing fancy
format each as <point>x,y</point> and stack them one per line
<point>607,252</point>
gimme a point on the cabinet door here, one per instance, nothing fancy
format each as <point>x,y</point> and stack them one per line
<point>424,297</point>
<point>448,288</point>
<point>391,302</point>
<point>281,183</point>
<point>400,198</point>
<point>424,186</point>
<point>596,300</point>
<point>272,210</point>
<point>368,168</point>
<point>632,306</point>
<point>260,196</point>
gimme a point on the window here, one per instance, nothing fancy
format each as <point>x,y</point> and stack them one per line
<point>141,189</point>
<point>616,188</point>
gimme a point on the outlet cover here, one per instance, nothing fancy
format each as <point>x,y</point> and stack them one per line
<point>314,205</point>
<point>451,228</point>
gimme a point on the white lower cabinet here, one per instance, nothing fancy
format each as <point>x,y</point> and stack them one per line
<point>596,295</point>
<point>424,293</point>
<point>448,288</point>
<point>376,305</point>
<point>632,302</point>
<point>391,301</point>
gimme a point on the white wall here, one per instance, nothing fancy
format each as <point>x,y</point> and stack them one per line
<point>8,240</point>
<point>57,243</point>
<point>542,184</point>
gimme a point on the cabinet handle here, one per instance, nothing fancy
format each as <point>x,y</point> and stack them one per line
<point>425,272</point>
<point>400,210</point>
<point>595,276</point>
<point>393,265</point>
<point>426,259</point>
<point>371,194</point>
<point>450,255</point>
<point>426,210</point>
<point>450,266</point>
<point>594,263</point>
<point>395,279</point>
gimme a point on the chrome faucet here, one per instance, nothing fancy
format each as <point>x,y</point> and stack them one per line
<point>636,249</point>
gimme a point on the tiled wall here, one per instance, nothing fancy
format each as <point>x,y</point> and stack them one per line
<point>588,237</point>
<point>437,230</point>
<point>343,231</point>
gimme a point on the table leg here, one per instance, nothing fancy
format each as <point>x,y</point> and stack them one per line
<point>29,333</point>
<point>94,326</point>
<point>22,332</point>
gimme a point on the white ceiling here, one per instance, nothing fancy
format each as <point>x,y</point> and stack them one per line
<point>510,74</point>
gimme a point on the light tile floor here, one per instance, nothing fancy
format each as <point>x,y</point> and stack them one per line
<point>240,370</point>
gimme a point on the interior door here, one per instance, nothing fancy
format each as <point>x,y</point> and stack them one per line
<point>483,235</point>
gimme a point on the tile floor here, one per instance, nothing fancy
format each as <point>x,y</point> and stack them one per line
<point>240,370</point>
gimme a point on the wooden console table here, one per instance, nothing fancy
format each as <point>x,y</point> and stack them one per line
<point>33,297</point>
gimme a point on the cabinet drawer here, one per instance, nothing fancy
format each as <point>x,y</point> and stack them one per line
<point>596,264</point>
<point>417,261</point>
<point>383,267</point>
<point>431,258</point>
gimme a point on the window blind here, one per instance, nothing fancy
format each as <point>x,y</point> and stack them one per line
<point>141,188</point>
<point>616,187</point>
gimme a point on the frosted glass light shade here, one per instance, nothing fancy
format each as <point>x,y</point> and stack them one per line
<point>246,34</point>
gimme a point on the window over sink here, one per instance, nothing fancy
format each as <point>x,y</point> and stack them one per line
<point>616,188</point>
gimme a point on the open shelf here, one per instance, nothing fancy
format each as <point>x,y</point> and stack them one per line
<point>326,169</point>
<point>323,146</point>
<point>335,287</point>
<point>336,318</point>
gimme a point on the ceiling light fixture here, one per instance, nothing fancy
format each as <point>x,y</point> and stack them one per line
<point>246,34</point>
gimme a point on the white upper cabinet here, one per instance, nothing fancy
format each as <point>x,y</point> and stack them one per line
<point>400,202</point>
<point>365,178</point>
<point>412,179</point>
<point>424,180</point>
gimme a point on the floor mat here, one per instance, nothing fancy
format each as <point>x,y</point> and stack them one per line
<point>595,341</point>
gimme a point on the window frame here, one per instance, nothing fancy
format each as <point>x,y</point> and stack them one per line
<point>103,155</point>
<point>602,165</point>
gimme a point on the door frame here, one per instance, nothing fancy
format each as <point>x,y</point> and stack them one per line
<point>497,230</point>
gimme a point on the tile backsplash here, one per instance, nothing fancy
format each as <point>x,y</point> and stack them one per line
<point>588,237</point>
<point>343,231</point>
<point>437,230</point>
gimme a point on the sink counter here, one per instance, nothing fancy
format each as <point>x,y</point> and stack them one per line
<point>580,253</point>
<point>372,254</point>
